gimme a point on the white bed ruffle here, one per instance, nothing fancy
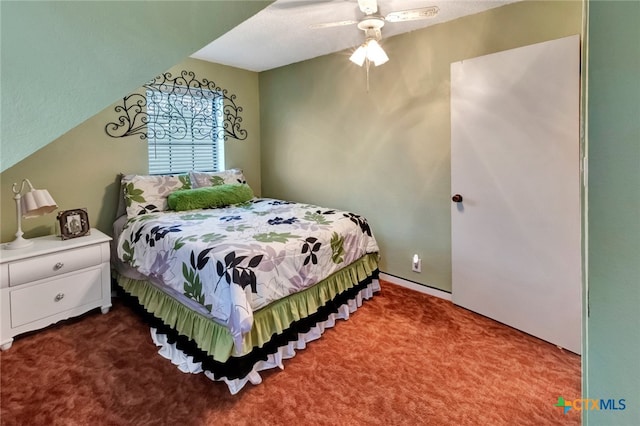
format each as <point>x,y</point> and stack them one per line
<point>186,364</point>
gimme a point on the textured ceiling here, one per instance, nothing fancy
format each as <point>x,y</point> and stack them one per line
<point>280,35</point>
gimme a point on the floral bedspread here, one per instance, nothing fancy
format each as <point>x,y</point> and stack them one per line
<point>238,259</point>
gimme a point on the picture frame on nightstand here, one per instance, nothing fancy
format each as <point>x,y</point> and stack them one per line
<point>73,223</point>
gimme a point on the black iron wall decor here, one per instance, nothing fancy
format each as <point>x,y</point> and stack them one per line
<point>134,117</point>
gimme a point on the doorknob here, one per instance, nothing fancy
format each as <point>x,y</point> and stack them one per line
<point>457,198</point>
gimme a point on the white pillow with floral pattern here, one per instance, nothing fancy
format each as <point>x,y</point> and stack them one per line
<point>147,194</point>
<point>204,179</point>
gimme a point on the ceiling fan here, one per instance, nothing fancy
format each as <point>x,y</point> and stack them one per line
<point>372,23</point>
<point>370,9</point>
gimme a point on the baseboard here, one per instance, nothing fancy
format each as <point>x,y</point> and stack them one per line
<point>415,286</point>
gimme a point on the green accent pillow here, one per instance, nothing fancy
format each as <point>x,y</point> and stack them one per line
<point>208,197</point>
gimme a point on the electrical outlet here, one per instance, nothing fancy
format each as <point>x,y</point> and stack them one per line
<point>416,263</point>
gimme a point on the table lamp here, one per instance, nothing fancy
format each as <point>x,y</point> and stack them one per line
<point>35,202</point>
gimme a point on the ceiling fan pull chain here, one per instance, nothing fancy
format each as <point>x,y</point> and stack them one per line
<point>368,63</point>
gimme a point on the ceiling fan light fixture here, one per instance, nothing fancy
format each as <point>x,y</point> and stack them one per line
<point>370,50</point>
<point>359,55</point>
<point>375,53</point>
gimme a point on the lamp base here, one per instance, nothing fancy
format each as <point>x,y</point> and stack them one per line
<point>18,243</point>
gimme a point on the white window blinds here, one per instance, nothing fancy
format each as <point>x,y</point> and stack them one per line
<point>185,130</point>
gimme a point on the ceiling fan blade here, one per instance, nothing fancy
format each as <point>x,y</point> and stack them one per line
<point>412,14</point>
<point>294,4</point>
<point>332,24</point>
<point>368,7</point>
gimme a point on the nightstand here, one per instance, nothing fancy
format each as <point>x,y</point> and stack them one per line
<point>52,280</point>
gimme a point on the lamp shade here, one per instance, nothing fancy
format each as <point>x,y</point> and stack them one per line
<point>370,50</point>
<point>375,53</point>
<point>359,55</point>
<point>37,202</point>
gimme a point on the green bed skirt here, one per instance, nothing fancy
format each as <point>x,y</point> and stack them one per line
<point>215,339</point>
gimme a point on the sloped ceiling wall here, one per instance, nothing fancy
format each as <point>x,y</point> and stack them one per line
<point>64,61</point>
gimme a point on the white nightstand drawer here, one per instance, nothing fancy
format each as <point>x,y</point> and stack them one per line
<point>50,265</point>
<point>55,296</point>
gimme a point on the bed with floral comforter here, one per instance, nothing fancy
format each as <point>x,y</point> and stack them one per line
<point>236,289</point>
<point>236,260</point>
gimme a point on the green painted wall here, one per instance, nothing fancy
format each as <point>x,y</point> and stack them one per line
<point>80,168</point>
<point>62,61</point>
<point>385,153</point>
<point>611,364</point>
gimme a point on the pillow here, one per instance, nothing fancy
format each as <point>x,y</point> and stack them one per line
<point>122,203</point>
<point>147,194</point>
<point>205,179</point>
<point>211,196</point>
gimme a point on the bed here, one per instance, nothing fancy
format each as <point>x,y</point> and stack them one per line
<point>232,284</point>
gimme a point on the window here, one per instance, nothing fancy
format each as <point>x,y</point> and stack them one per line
<point>185,130</point>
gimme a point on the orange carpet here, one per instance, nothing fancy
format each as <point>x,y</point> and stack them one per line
<point>403,358</point>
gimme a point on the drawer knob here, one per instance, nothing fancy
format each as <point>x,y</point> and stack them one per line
<point>59,297</point>
<point>58,266</point>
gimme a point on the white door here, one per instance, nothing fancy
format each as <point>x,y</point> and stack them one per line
<point>515,160</point>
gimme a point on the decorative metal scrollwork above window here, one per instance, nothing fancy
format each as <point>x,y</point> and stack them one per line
<point>134,116</point>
